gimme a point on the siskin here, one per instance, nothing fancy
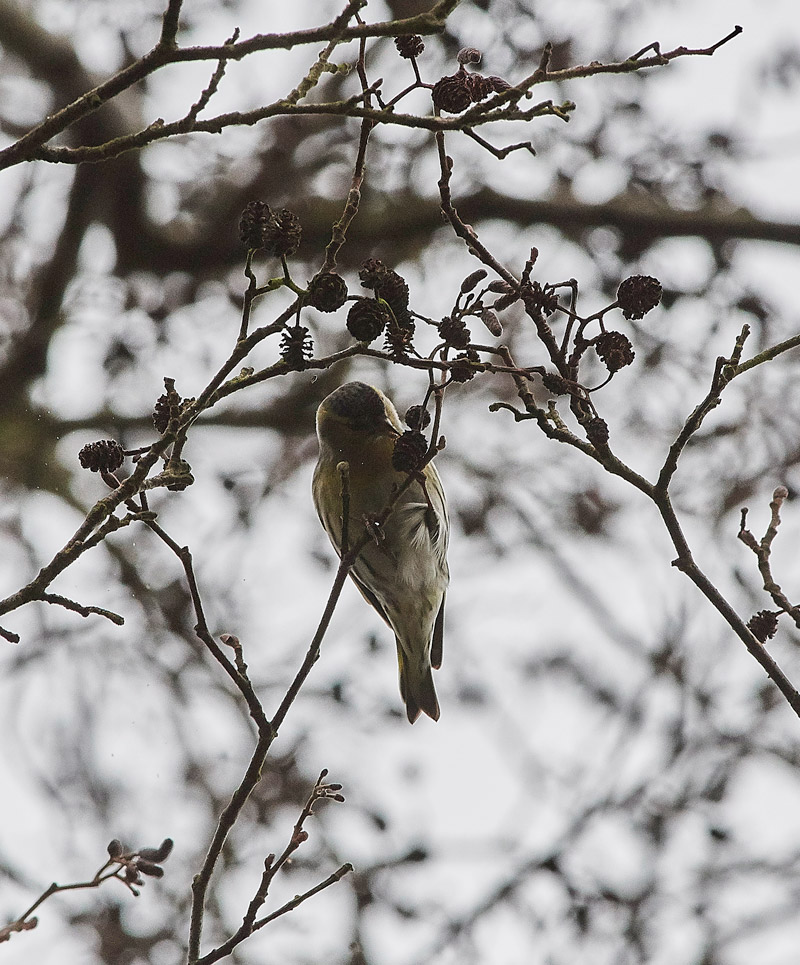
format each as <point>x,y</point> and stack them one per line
<point>403,574</point>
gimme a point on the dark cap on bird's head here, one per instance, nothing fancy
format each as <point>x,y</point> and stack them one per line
<point>359,405</point>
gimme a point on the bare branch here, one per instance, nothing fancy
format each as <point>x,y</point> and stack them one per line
<point>763,550</point>
<point>272,866</point>
<point>84,611</point>
<point>165,52</point>
<point>125,866</point>
<point>724,370</point>
<point>170,23</point>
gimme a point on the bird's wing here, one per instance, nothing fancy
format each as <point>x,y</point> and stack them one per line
<point>438,637</point>
<point>363,565</point>
<point>437,522</point>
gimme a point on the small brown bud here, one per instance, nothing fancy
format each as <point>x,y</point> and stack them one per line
<point>409,45</point>
<point>161,413</point>
<point>115,848</point>
<point>614,349</point>
<point>465,366</point>
<point>454,332</point>
<point>103,456</point>
<point>366,319</point>
<point>392,288</point>
<point>539,299</point>
<point>282,233</point>
<point>167,406</point>
<point>472,280</point>
<point>492,322</point>
<point>597,432</point>
<point>497,84</point>
<point>763,625</point>
<point>371,271</point>
<point>327,291</point>
<point>409,451</point>
<point>504,301</point>
<point>417,417</point>
<point>388,285</point>
<point>253,222</point>
<point>556,383</point>
<point>469,55</point>
<point>296,347</point>
<point>150,868</point>
<point>638,294</point>
<point>159,854</point>
<point>453,93</point>
<point>479,87</point>
<point>399,337</point>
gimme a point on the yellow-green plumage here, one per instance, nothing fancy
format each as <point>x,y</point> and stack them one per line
<point>404,575</point>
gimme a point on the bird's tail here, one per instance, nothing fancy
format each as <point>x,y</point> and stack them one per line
<point>416,687</point>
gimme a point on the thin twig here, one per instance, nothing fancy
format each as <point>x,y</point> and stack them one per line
<point>82,541</point>
<point>126,867</point>
<point>170,23</point>
<point>299,899</point>
<point>166,52</point>
<point>84,611</point>
<point>501,106</point>
<point>763,550</point>
<point>500,152</point>
<point>213,84</point>
<point>724,370</point>
<point>686,564</point>
<point>339,230</point>
<point>768,354</point>
<point>272,866</point>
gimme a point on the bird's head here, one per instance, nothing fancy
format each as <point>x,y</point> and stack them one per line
<point>355,413</point>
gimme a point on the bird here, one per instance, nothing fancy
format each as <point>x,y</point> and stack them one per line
<point>402,572</point>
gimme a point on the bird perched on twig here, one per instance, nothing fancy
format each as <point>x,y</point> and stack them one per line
<point>402,571</point>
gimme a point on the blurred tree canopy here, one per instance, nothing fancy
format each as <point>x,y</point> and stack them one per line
<point>614,778</point>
